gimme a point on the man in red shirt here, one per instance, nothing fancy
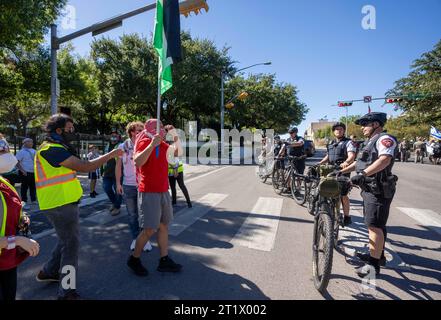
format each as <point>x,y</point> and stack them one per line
<point>155,207</point>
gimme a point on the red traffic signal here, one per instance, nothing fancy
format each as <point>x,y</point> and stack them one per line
<point>345,104</point>
<point>394,100</point>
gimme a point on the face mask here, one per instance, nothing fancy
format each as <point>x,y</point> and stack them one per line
<point>7,162</point>
<point>68,137</point>
<point>114,140</point>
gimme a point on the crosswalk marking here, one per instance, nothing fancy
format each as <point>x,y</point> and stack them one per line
<point>187,217</point>
<point>260,228</point>
<point>355,239</point>
<point>425,217</point>
<point>104,217</point>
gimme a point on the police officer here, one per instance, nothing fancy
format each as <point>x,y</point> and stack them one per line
<point>295,147</point>
<point>374,176</point>
<point>341,152</point>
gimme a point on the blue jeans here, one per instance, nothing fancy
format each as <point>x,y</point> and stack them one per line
<point>131,201</point>
<point>109,185</point>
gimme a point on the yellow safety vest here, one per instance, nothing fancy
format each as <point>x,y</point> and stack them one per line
<point>4,209</point>
<point>171,168</point>
<point>56,187</point>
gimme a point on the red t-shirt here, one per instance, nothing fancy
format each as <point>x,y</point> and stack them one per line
<point>152,177</point>
<point>9,259</point>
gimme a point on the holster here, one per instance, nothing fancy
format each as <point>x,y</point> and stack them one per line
<point>389,186</point>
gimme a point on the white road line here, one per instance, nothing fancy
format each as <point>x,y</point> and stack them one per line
<point>206,174</point>
<point>427,218</point>
<point>103,217</point>
<point>189,216</point>
<point>260,228</point>
<point>355,239</point>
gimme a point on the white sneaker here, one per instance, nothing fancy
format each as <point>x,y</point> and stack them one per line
<point>132,246</point>
<point>148,247</point>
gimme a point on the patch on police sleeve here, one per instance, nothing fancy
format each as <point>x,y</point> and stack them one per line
<point>387,142</point>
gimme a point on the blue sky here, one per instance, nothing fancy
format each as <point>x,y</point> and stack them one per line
<point>318,46</point>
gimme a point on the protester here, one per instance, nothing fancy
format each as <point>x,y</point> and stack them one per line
<point>125,168</point>
<point>109,179</point>
<point>94,175</point>
<point>155,208</point>
<point>25,164</point>
<point>58,192</point>
<point>14,249</point>
<point>176,174</point>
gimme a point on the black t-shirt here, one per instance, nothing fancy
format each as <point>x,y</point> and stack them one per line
<point>56,155</point>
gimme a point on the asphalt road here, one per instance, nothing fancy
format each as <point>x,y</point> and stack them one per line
<point>242,241</point>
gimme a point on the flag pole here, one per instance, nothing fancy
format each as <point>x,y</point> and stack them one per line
<point>158,112</point>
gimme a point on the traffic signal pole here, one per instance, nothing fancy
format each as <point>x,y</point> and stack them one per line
<point>185,7</point>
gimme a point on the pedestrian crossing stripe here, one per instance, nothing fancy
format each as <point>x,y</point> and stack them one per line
<point>260,228</point>
<point>427,218</point>
<point>187,216</point>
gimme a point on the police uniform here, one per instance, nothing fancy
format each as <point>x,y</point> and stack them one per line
<point>377,195</point>
<point>297,152</point>
<point>338,151</point>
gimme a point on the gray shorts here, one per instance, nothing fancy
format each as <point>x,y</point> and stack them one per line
<point>154,208</point>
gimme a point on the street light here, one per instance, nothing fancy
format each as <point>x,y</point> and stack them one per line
<point>223,76</point>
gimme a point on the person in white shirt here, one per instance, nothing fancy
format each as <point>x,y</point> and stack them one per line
<point>126,184</point>
<point>25,164</point>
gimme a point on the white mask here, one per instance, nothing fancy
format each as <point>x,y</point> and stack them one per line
<point>7,162</point>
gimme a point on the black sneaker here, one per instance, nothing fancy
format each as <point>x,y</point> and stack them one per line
<point>367,271</point>
<point>92,195</point>
<point>347,221</point>
<point>43,277</point>
<point>137,267</point>
<point>168,265</point>
<point>365,258</point>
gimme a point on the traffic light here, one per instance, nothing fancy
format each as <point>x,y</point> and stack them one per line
<point>229,105</point>
<point>345,103</point>
<point>394,100</point>
<point>243,96</point>
<point>189,6</point>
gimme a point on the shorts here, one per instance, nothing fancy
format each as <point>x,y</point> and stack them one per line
<point>345,186</point>
<point>300,166</point>
<point>93,175</point>
<point>154,209</point>
<point>375,210</point>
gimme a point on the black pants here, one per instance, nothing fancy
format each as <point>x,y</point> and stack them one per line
<point>8,285</point>
<point>28,182</point>
<point>182,186</point>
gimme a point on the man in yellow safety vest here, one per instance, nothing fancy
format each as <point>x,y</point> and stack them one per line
<point>58,193</point>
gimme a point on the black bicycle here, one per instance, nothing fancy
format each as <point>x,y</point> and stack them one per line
<point>287,179</point>
<point>323,197</point>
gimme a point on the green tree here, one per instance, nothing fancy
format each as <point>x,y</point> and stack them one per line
<point>424,84</point>
<point>270,105</point>
<point>24,22</point>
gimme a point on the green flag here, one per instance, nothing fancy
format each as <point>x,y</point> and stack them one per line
<point>167,39</point>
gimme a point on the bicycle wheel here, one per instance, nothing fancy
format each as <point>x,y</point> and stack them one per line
<point>276,180</point>
<point>298,189</point>
<point>336,224</point>
<point>323,248</point>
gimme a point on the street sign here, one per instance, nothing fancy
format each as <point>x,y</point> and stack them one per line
<point>367,99</point>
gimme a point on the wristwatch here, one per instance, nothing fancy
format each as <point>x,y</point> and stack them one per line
<point>11,243</point>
